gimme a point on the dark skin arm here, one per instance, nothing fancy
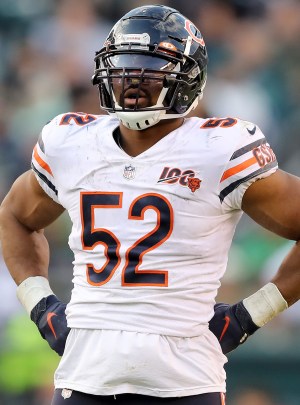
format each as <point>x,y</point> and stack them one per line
<point>24,213</point>
<point>274,203</point>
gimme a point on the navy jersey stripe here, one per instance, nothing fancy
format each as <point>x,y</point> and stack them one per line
<point>44,178</point>
<point>248,148</point>
<point>227,190</point>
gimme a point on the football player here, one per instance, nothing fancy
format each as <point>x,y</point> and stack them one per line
<point>154,199</point>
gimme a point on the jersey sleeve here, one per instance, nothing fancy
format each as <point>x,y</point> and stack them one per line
<point>41,164</point>
<point>252,159</point>
<point>50,154</point>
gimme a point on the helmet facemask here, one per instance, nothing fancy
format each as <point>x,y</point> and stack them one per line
<point>142,83</point>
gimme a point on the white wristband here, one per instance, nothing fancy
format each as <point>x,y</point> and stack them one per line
<point>265,304</point>
<point>32,290</point>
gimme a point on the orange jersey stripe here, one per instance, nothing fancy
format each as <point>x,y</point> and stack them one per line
<point>238,168</point>
<point>41,162</point>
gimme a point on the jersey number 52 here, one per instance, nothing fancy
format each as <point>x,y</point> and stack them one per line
<point>91,237</point>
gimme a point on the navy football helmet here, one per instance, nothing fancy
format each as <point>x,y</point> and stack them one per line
<point>151,45</point>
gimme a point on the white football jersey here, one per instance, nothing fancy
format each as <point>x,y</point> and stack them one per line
<point>151,233</point>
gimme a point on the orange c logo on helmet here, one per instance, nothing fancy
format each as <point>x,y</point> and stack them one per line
<point>187,26</point>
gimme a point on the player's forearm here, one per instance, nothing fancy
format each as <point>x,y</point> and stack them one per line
<point>281,292</point>
<point>287,278</point>
<point>259,308</point>
<point>25,252</point>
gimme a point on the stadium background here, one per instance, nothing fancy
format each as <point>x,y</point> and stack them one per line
<point>47,50</point>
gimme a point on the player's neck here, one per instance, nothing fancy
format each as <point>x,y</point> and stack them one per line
<point>136,142</point>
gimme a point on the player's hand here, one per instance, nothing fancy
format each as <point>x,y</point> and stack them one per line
<point>50,318</point>
<point>231,324</point>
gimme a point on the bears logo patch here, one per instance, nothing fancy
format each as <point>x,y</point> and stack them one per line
<point>193,183</point>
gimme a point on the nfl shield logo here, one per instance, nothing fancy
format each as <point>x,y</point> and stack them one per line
<point>129,172</point>
<point>66,393</point>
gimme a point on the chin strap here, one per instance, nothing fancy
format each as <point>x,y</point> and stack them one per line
<point>139,120</point>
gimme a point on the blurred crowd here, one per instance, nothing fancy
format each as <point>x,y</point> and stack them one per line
<point>47,49</point>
